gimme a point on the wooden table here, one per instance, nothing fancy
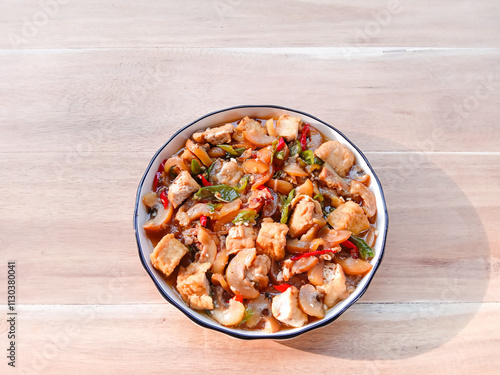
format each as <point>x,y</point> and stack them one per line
<point>90,90</point>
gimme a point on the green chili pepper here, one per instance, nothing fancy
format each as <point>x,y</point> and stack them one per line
<point>286,207</point>
<point>307,156</point>
<point>232,151</point>
<point>245,216</point>
<point>195,167</point>
<point>223,193</point>
<point>319,198</point>
<point>242,185</point>
<point>364,250</point>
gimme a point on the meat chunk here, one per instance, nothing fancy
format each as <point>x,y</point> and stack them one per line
<point>181,188</point>
<point>349,216</point>
<point>307,211</point>
<point>258,198</point>
<point>259,270</point>
<point>246,124</point>
<point>240,237</point>
<point>288,127</point>
<point>285,308</point>
<point>272,240</point>
<point>337,155</point>
<point>215,136</point>
<point>369,202</point>
<point>334,284</point>
<point>167,254</point>
<point>333,180</point>
<point>230,173</point>
<point>192,284</point>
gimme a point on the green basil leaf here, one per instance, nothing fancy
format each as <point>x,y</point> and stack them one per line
<point>223,193</point>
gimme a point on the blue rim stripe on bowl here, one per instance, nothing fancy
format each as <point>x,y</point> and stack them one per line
<point>241,334</point>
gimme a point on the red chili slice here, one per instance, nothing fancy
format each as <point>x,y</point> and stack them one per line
<point>238,298</point>
<point>354,250</point>
<point>204,181</point>
<point>164,199</point>
<point>161,169</point>
<point>303,136</point>
<point>203,220</point>
<point>312,253</point>
<point>156,180</point>
<point>281,144</point>
<point>282,287</point>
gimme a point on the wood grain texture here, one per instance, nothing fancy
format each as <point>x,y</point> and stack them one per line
<point>426,338</point>
<point>90,90</point>
<point>244,23</point>
<point>110,100</point>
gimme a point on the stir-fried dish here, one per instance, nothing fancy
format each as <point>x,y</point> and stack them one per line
<point>262,224</point>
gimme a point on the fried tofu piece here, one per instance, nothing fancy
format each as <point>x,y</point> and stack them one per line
<point>229,174</point>
<point>334,284</point>
<point>288,127</point>
<point>286,309</point>
<point>272,240</point>
<point>349,216</point>
<point>181,188</point>
<point>332,179</point>
<point>337,155</point>
<point>215,136</point>
<point>246,124</point>
<point>304,215</point>
<point>240,237</point>
<point>192,284</point>
<point>167,254</point>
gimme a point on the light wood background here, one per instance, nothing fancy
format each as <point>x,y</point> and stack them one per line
<point>91,91</point>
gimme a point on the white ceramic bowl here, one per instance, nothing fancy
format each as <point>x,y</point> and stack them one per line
<point>228,115</point>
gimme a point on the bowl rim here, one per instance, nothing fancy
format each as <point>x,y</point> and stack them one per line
<point>229,331</point>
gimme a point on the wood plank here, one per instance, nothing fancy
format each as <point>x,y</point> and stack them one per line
<point>110,100</point>
<point>425,338</point>
<point>230,23</point>
<point>443,243</point>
